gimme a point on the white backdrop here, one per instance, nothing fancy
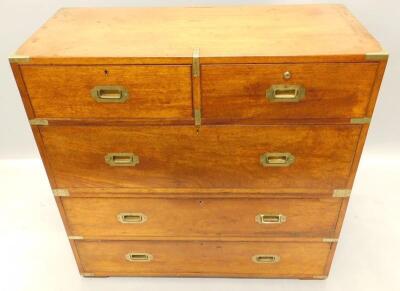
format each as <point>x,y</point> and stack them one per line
<point>20,18</point>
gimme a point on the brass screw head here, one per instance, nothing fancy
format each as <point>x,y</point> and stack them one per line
<point>287,75</point>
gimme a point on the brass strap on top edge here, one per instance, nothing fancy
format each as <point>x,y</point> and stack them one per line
<point>377,56</point>
<point>18,59</point>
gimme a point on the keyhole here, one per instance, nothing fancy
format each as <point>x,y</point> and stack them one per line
<point>106,73</point>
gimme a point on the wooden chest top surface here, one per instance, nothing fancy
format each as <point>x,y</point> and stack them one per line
<point>317,31</point>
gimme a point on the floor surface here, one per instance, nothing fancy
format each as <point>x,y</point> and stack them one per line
<point>35,254</point>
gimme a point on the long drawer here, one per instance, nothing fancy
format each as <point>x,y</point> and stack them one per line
<point>281,158</point>
<point>255,93</point>
<point>192,217</point>
<point>203,258</point>
<point>110,92</point>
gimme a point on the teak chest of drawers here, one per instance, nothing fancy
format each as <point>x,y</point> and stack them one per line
<point>201,141</point>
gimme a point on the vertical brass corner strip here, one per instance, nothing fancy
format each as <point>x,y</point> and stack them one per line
<point>196,87</point>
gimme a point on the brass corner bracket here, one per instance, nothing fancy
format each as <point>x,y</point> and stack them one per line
<point>38,121</point>
<point>87,275</point>
<point>330,240</point>
<point>18,59</point>
<point>377,56</point>
<point>320,277</point>
<point>75,237</point>
<point>361,120</point>
<point>60,192</point>
<point>341,193</point>
<point>196,63</point>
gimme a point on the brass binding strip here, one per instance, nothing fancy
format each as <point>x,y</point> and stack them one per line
<point>320,277</point>
<point>196,63</point>
<point>38,121</point>
<point>61,192</point>
<point>341,193</point>
<point>377,56</point>
<point>18,59</point>
<point>361,120</point>
<point>87,274</point>
<point>196,87</point>
<point>75,237</point>
<point>330,240</point>
<point>197,117</point>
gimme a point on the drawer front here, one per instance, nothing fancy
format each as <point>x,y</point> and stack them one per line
<point>312,157</point>
<point>130,217</point>
<point>257,92</point>
<point>141,91</point>
<point>198,258</point>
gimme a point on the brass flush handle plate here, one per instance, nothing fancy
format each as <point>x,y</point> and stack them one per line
<point>265,259</point>
<point>264,218</point>
<point>276,159</point>
<point>109,94</point>
<point>139,257</point>
<point>132,218</point>
<point>121,159</point>
<point>285,93</point>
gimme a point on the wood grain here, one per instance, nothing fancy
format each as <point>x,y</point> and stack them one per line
<point>171,33</point>
<point>154,91</point>
<point>204,258</point>
<point>217,157</point>
<point>16,69</point>
<point>201,188</point>
<point>97,217</point>
<point>238,92</point>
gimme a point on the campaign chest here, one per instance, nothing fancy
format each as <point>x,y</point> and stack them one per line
<point>201,141</point>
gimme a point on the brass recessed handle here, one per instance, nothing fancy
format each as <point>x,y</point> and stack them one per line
<point>276,159</point>
<point>131,217</point>
<point>109,94</point>
<point>139,257</point>
<point>285,93</point>
<point>121,159</point>
<point>265,259</point>
<point>263,218</point>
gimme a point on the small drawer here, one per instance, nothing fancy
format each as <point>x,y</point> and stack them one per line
<point>255,93</point>
<point>203,258</point>
<point>190,217</point>
<point>110,92</point>
<point>282,159</point>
